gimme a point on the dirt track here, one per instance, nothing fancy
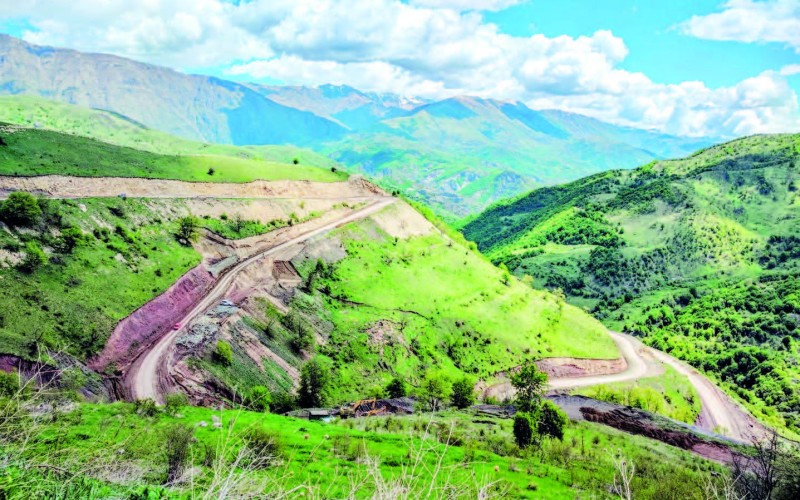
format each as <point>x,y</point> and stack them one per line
<point>148,376</point>
<point>59,186</point>
<point>719,412</point>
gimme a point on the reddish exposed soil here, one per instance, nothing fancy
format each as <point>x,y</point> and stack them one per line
<point>137,332</point>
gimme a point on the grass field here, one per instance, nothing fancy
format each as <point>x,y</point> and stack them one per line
<point>110,450</point>
<point>41,152</point>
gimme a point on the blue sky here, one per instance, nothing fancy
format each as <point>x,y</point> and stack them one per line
<point>700,67</point>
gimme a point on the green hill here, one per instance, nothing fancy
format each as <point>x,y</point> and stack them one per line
<point>28,151</point>
<point>699,256</point>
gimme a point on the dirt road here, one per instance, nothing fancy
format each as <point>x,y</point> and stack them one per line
<point>719,412</point>
<point>148,376</point>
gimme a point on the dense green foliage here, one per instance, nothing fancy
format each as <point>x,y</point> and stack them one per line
<point>698,256</point>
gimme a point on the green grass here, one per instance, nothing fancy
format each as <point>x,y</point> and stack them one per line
<point>328,459</point>
<point>31,152</point>
<point>404,306</point>
<point>74,300</point>
<point>669,394</point>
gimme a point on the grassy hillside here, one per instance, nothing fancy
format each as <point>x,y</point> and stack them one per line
<point>698,256</point>
<point>26,151</point>
<point>122,450</point>
<point>381,307</point>
<point>106,126</point>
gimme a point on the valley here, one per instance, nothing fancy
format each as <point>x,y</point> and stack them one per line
<point>313,262</point>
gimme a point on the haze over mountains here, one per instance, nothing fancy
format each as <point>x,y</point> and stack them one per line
<point>458,154</point>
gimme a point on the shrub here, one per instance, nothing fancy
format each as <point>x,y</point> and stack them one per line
<point>177,440</point>
<point>524,429</point>
<point>34,257</point>
<point>145,407</point>
<point>9,384</point>
<point>258,399</point>
<point>282,402</point>
<point>210,171</point>
<point>552,420</point>
<point>223,353</point>
<point>20,209</point>
<point>397,388</point>
<point>173,403</point>
<point>463,393</point>
<point>264,445</point>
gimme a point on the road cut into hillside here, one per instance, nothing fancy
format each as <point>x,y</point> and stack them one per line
<point>149,377</point>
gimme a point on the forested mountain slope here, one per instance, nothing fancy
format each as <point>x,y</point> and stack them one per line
<point>699,256</point>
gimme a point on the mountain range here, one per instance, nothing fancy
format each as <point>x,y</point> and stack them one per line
<point>459,154</point>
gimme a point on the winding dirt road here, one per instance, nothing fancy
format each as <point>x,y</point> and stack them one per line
<point>719,414</point>
<point>148,376</point>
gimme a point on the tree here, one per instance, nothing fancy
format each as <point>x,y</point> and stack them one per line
<point>238,223</point>
<point>530,384</point>
<point>397,388</point>
<point>463,393</point>
<point>34,257</point>
<point>187,229</point>
<point>768,471</point>
<point>434,389</point>
<point>552,420</point>
<point>314,380</point>
<point>296,161</point>
<point>211,171</point>
<point>524,429</point>
<point>20,209</point>
<point>223,353</point>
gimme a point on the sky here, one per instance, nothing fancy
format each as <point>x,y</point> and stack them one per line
<point>685,67</point>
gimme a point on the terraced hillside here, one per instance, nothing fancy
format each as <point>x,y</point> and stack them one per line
<point>698,256</point>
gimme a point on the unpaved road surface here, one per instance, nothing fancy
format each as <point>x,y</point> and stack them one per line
<point>148,376</point>
<point>60,186</point>
<point>719,412</point>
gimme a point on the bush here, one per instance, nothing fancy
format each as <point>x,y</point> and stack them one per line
<point>223,353</point>
<point>282,402</point>
<point>20,209</point>
<point>524,429</point>
<point>9,384</point>
<point>397,388</point>
<point>145,407</point>
<point>264,445</point>
<point>552,420</point>
<point>173,403</point>
<point>177,440</point>
<point>258,399</point>
<point>34,257</point>
<point>435,388</point>
<point>463,393</point>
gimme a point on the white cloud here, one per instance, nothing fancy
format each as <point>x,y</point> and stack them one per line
<point>750,21</point>
<point>790,69</point>
<point>464,5</point>
<point>430,48</point>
